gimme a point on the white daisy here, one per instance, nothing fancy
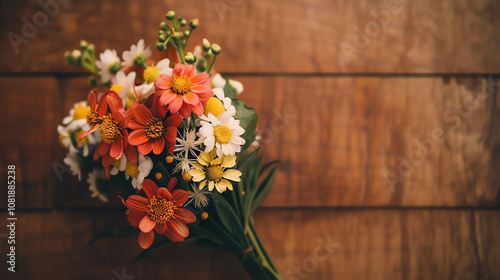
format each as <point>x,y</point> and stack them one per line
<point>222,132</point>
<point>219,93</point>
<point>72,160</point>
<point>64,136</point>
<point>186,144</point>
<point>109,65</point>
<point>150,75</point>
<point>220,82</point>
<point>137,55</point>
<point>123,85</point>
<point>77,118</point>
<point>94,179</point>
<point>138,171</point>
<point>199,196</point>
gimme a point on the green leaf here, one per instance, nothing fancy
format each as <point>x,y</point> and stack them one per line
<point>229,220</point>
<point>248,121</point>
<point>263,190</point>
<point>245,161</point>
<point>249,182</point>
<point>229,91</point>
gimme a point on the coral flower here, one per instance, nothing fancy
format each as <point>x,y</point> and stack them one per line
<point>113,131</point>
<point>161,211</point>
<point>150,131</point>
<point>184,92</point>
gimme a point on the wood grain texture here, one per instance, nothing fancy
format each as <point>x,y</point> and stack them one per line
<point>380,244</point>
<point>28,139</point>
<point>300,36</point>
<point>366,141</point>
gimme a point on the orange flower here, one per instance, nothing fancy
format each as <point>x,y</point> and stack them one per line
<point>113,131</point>
<point>159,211</point>
<point>151,131</point>
<point>184,92</point>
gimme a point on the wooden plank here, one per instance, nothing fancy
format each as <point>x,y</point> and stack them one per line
<point>28,137</point>
<point>357,141</point>
<point>301,36</point>
<point>486,226</point>
<point>360,244</point>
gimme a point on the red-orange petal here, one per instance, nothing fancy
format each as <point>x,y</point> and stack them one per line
<point>163,82</point>
<point>172,235</point>
<point>116,149</point>
<point>200,78</point>
<point>188,70</point>
<point>146,239</point>
<point>134,218</point>
<point>200,88</point>
<point>173,120</point>
<point>137,203</point>
<point>160,228</point>
<point>149,187</point>
<point>146,148</point>
<point>171,184</point>
<point>158,146</point>
<point>142,114</point>
<point>138,137</point>
<point>163,192</point>
<point>179,197</point>
<point>191,98</point>
<point>131,154</point>
<point>184,215</point>
<point>146,224</point>
<point>176,104</point>
<point>179,227</point>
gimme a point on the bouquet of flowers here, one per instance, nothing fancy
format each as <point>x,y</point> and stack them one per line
<point>174,141</point>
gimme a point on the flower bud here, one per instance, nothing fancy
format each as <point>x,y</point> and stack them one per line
<point>187,33</point>
<point>162,38</point>
<point>186,176</point>
<point>76,54</point>
<point>160,46</point>
<point>69,57</point>
<point>158,175</point>
<point>164,26</point>
<point>170,15</point>
<point>204,215</point>
<point>83,44</point>
<point>182,21</point>
<point>194,23</point>
<point>216,49</point>
<point>169,159</point>
<point>190,58</point>
<point>206,44</point>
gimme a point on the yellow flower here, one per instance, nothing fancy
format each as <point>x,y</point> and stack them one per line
<point>215,171</point>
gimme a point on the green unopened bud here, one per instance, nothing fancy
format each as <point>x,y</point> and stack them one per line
<point>83,44</point>
<point>164,26</point>
<point>182,21</point>
<point>194,23</point>
<point>93,81</point>
<point>114,68</point>
<point>208,53</point>
<point>161,46</point>
<point>178,35</point>
<point>216,49</point>
<point>139,60</point>
<point>91,48</point>
<point>76,54</point>
<point>187,33</point>
<point>206,44</point>
<point>190,58</point>
<point>170,15</point>
<point>69,57</point>
<point>162,38</point>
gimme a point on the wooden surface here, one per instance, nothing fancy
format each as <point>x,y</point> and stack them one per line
<point>427,36</point>
<point>341,129</point>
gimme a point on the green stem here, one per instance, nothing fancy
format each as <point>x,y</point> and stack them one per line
<point>261,252</point>
<point>211,65</point>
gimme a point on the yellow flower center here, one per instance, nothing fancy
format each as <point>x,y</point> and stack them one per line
<point>93,118</point>
<point>116,88</point>
<point>81,112</point>
<point>110,130</point>
<point>132,169</point>
<point>160,210</point>
<point>214,106</point>
<point>180,85</point>
<point>150,74</point>
<point>78,135</point>
<point>154,128</point>
<point>131,99</point>
<point>214,173</point>
<point>222,134</point>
